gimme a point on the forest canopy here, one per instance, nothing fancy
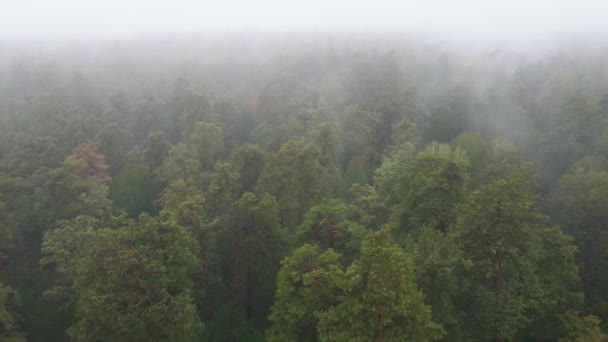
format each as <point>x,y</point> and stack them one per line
<point>302,187</point>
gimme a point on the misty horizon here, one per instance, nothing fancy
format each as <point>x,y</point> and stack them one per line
<point>489,19</point>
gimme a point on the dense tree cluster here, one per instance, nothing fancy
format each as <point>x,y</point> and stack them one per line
<point>316,189</point>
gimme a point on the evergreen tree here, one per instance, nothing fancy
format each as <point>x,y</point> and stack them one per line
<point>378,298</point>
<point>514,261</point>
<point>579,206</point>
<point>137,271</point>
<point>296,177</point>
<point>435,183</point>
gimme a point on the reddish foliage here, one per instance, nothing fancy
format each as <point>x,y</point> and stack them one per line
<point>331,226</point>
<point>94,164</point>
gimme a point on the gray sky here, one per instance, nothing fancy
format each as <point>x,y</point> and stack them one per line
<point>72,18</point>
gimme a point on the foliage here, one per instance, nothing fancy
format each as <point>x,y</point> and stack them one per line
<point>140,271</point>
<point>375,298</point>
<point>134,190</point>
<point>582,329</point>
<point>296,177</point>
<point>436,181</point>
<point>579,205</point>
<point>409,188</point>
<point>519,270</point>
<point>378,298</point>
<point>9,326</point>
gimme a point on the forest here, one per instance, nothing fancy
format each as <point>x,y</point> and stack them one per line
<point>302,187</point>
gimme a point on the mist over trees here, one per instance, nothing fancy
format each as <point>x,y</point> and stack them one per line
<point>304,187</point>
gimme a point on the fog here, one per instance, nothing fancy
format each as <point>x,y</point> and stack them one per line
<point>516,19</point>
<point>281,170</point>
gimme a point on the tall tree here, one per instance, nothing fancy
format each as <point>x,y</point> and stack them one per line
<point>375,298</point>
<point>296,177</point>
<point>514,261</point>
<point>436,182</point>
<point>580,206</point>
<point>574,132</point>
<point>331,224</point>
<point>378,298</point>
<point>303,289</point>
<point>131,282</point>
<point>155,149</point>
<point>439,265</point>
<point>185,203</point>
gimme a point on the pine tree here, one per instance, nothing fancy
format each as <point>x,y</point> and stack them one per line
<point>378,298</point>
<point>130,282</point>
<point>514,262</point>
<point>435,183</point>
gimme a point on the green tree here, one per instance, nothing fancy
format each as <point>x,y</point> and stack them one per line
<point>381,89</point>
<point>378,299</point>
<point>182,163</point>
<point>573,133</point>
<point>208,143</point>
<point>478,152</point>
<point>330,224</point>
<point>355,149</point>
<point>506,160</point>
<point>438,274</point>
<point>113,142</point>
<point>304,288</point>
<point>155,149</point>
<point>68,191</point>
<point>519,272</point>
<point>391,175</point>
<point>449,116</point>
<point>260,230</point>
<point>375,298</point>
<point>296,177</point>
<point>10,330</point>
<point>185,203</point>
<point>369,208</point>
<point>580,206</point>
<point>131,282</point>
<point>325,138</point>
<point>134,191</point>
<point>582,329</point>
<point>248,161</point>
<point>188,107</point>
<point>252,246</point>
<point>436,182</point>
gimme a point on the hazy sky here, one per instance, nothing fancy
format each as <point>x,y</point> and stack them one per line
<point>110,17</point>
